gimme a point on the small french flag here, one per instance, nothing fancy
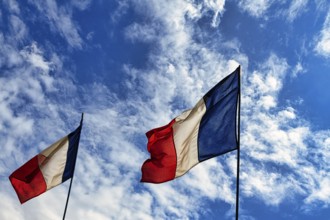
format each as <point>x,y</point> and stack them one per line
<point>205,131</point>
<point>48,169</point>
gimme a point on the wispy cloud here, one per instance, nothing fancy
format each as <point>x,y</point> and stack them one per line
<point>138,32</point>
<point>123,6</point>
<point>296,8</point>
<point>289,10</point>
<point>256,8</point>
<point>60,20</point>
<point>298,69</point>
<point>81,4</point>
<point>34,56</point>
<point>319,192</point>
<point>18,29</point>
<point>276,136</point>
<point>217,7</point>
<point>12,6</point>
<point>323,40</point>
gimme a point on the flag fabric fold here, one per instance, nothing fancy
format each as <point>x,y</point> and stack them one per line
<point>49,168</point>
<point>203,132</point>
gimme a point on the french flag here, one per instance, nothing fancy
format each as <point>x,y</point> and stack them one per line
<point>48,169</point>
<point>205,131</point>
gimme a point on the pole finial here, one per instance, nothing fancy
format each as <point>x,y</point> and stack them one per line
<point>82,118</point>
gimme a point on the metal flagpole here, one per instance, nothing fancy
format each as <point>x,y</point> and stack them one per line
<point>74,166</point>
<point>238,140</point>
<point>67,198</point>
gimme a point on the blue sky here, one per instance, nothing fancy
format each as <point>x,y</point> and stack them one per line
<point>133,65</point>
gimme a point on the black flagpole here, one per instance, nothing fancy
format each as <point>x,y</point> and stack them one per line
<point>67,198</point>
<point>238,140</point>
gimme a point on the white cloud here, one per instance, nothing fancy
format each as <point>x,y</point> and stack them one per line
<point>320,192</point>
<point>10,55</point>
<point>217,7</point>
<point>12,6</point>
<point>9,205</point>
<point>90,35</point>
<point>18,28</point>
<point>81,4</point>
<point>260,8</point>
<point>60,20</point>
<point>296,8</point>
<point>323,39</point>
<point>35,57</point>
<point>267,102</point>
<point>265,84</point>
<point>22,84</point>
<point>298,69</point>
<point>269,136</point>
<point>321,5</point>
<point>121,10</point>
<point>288,113</point>
<point>283,158</point>
<point>256,8</point>
<point>138,32</point>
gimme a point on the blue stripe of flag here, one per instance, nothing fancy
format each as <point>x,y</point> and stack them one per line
<point>72,154</point>
<point>217,131</point>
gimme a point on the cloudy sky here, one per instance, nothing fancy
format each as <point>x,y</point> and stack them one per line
<point>133,65</point>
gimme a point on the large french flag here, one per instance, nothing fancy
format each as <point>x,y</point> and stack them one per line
<point>198,134</point>
<point>48,169</point>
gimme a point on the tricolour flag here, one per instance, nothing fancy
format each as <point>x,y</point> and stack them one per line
<point>198,134</point>
<point>48,169</point>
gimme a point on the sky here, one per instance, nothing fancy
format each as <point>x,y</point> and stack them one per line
<point>133,65</point>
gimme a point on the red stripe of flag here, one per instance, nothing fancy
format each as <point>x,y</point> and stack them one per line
<point>161,166</point>
<point>28,180</point>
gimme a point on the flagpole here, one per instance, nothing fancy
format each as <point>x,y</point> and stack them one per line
<point>238,140</point>
<point>68,196</point>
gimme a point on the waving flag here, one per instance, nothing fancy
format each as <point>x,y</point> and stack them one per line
<point>48,169</point>
<point>198,134</point>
